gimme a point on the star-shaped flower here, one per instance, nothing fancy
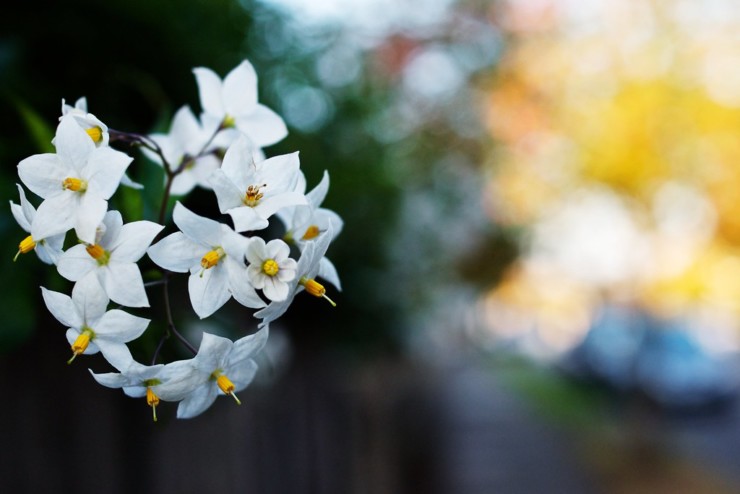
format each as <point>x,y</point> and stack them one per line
<point>252,192</point>
<point>48,249</point>
<point>221,367</point>
<point>76,182</point>
<point>91,328</point>
<point>112,259</point>
<point>232,104</point>
<point>186,144</point>
<point>214,255</point>
<point>270,267</point>
<point>306,270</point>
<point>96,129</point>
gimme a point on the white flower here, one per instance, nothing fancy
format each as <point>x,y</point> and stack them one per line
<point>112,258</point>
<point>221,367</point>
<point>96,129</point>
<point>171,382</point>
<point>306,270</point>
<point>185,145</point>
<point>214,255</point>
<point>48,249</point>
<point>270,267</point>
<point>233,103</point>
<point>252,192</point>
<point>304,223</point>
<point>76,183</point>
<point>91,328</point>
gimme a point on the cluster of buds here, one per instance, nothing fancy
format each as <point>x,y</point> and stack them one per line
<point>219,151</point>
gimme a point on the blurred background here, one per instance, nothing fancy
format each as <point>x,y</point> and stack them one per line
<point>541,280</point>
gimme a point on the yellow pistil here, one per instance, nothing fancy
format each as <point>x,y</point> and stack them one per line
<point>98,253</point>
<point>311,233</point>
<point>225,384</point>
<point>74,184</point>
<point>315,288</point>
<point>212,257</point>
<point>81,343</point>
<point>95,133</point>
<point>270,267</point>
<point>152,400</point>
<point>253,195</point>
<point>26,246</point>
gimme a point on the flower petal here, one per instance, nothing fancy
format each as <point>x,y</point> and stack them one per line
<point>119,326</point>
<point>247,219</point>
<point>262,125</point>
<point>105,170</point>
<point>90,214</point>
<point>176,252</point>
<point>123,284</point>
<point>62,308</point>
<point>209,290</point>
<point>209,90</point>
<point>73,144</point>
<point>90,298</point>
<point>75,263</point>
<point>238,164</point>
<point>240,287</point>
<point>43,174</point>
<point>55,215</point>
<point>134,240</point>
<point>199,229</point>
<point>198,401</point>
<point>240,89</point>
<point>228,194</point>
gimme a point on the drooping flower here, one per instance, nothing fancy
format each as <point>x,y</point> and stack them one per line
<point>186,145</point>
<point>94,128</point>
<point>214,255</point>
<point>221,367</point>
<point>48,249</point>
<point>112,259</point>
<point>91,327</point>
<point>307,270</point>
<point>252,192</point>
<point>171,382</point>
<point>270,267</point>
<point>75,183</point>
<point>232,105</point>
<point>304,223</point>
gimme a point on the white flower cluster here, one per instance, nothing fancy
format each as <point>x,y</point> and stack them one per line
<point>76,183</point>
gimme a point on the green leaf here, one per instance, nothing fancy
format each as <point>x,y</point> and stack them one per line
<point>39,129</point>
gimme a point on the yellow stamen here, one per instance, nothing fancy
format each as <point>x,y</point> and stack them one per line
<point>81,343</point>
<point>212,257</point>
<point>316,289</point>
<point>270,267</point>
<point>253,195</point>
<point>225,384</point>
<point>152,400</point>
<point>26,246</point>
<point>74,184</point>
<point>311,232</point>
<point>98,253</point>
<point>228,122</point>
<point>95,133</point>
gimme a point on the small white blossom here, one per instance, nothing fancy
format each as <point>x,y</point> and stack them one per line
<point>270,267</point>
<point>48,249</point>
<point>91,328</point>
<point>214,255</point>
<point>94,128</point>
<point>75,183</point>
<point>112,259</point>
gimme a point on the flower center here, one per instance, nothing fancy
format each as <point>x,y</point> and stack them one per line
<point>212,257</point>
<point>95,133</point>
<point>311,232</point>
<point>253,195</point>
<point>82,342</point>
<point>152,400</point>
<point>228,122</point>
<point>26,246</point>
<point>225,384</point>
<point>98,253</point>
<point>270,267</point>
<point>315,288</point>
<point>74,184</point>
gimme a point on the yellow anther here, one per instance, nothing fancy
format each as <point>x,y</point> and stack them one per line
<point>316,289</point>
<point>81,343</point>
<point>270,267</point>
<point>74,184</point>
<point>152,400</point>
<point>26,246</point>
<point>98,253</point>
<point>253,195</point>
<point>95,133</point>
<point>225,384</point>
<point>311,232</point>
<point>228,122</point>
<point>212,257</point>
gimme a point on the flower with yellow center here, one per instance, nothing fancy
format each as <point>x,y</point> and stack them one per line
<point>91,327</point>
<point>221,367</point>
<point>47,249</point>
<point>251,192</point>
<point>93,127</point>
<point>270,267</point>
<point>213,254</point>
<point>75,182</point>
